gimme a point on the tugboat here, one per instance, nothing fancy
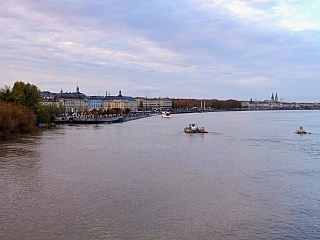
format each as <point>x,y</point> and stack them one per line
<point>193,128</point>
<point>301,131</point>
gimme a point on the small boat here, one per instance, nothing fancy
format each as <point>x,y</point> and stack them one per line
<point>43,125</point>
<point>166,114</point>
<point>193,128</point>
<point>301,131</point>
<point>46,125</point>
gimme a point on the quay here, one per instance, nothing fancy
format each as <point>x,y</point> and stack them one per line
<point>96,120</point>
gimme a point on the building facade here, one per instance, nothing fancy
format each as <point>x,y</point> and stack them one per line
<point>73,102</point>
<point>153,103</point>
<point>76,102</point>
<point>95,102</point>
<point>49,99</point>
<point>119,102</point>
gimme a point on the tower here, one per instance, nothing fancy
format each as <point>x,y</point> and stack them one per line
<point>276,98</point>
<point>272,98</point>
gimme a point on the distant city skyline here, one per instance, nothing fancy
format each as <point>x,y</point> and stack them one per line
<point>200,49</point>
<point>77,89</point>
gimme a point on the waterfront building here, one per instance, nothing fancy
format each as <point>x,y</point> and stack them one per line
<point>142,103</point>
<point>119,102</point>
<point>73,101</point>
<point>49,99</point>
<point>153,103</point>
<point>95,102</point>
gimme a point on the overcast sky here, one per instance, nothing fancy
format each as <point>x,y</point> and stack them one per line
<point>205,49</point>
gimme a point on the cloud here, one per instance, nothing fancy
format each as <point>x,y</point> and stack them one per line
<point>251,81</point>
<point>242,9</point>
<point>298,16</point>
<point>160,47</point>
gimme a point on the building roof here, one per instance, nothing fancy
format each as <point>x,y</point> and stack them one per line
<point>119,98</point>
<point>74,95</point>
<point>96,97</point>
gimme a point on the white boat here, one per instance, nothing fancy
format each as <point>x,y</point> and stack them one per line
<point>301,131</point>
<point>166,114</point>
<point>193,128</point>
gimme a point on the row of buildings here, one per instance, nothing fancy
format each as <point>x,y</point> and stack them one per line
<point>78,102</point>
<point>275,103</point>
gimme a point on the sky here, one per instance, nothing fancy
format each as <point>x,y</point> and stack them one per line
<point>203,49</point>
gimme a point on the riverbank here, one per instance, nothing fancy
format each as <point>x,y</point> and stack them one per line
<point>99,119</point>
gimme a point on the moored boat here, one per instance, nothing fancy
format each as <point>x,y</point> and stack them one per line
<point>46,125</point>
<point>193,128</point>
<point>166,114</point>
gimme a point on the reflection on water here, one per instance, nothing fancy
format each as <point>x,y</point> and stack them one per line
<point>248,178</point>
<point>20,182</point>
<point>19,157</point>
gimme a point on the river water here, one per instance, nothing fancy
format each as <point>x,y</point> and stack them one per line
<point>250,177</point>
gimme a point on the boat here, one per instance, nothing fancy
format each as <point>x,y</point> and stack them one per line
<point>301,131</point>
<point>166,114</point>
<point>46,125</point>
<point>43,125</point>
<point>193,128</point>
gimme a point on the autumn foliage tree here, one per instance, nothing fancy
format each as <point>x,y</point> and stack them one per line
<point>212,103</point>
<point>18,108</point>
<point>15,119</point>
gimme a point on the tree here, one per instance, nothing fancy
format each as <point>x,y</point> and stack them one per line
<point>22,94</point>
<point>94,112</point>
<point>15,119</point>
<point>27,95</point>
<point>113,111</point>
<point>48,113</point>
<point>86,112</point>
<point>213,103</point>
<point>127,110</point>
<point>79,112</point>
<point>6,95</point>
<point>189,105</point>
<point>101,112</point>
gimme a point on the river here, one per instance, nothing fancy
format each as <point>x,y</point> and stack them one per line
<point>250,177</point>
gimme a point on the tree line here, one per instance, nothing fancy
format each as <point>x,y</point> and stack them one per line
<point>21,109</point>
<point>180,103</point>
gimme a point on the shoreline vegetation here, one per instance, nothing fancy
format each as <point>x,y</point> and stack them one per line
<point>21,110</point>
<point>16,120</point>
